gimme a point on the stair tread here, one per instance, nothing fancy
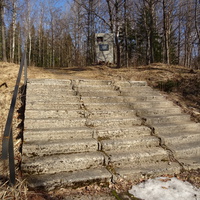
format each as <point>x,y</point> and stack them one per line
<point>137,151</point>
<point>63,179</point>
<point>129,143</point>
<point>185,146</point>
<point>57,133</point>
<point>148,170</point>
<point>58,129</point>
<point>169,115</point>
<point>115,119</point>
<point>192,162</point>
<point>137,156</point>
<point>50,113</point>
<point>60,146</point>
<point>61,141</point>
<point>62,162</point>
<point>35,103</point>
<point>65,157</point>
<point>181,134</point>
<point>84,125</point>
<point>187,125</point>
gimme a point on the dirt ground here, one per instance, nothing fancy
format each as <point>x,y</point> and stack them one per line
<point>180,84</point>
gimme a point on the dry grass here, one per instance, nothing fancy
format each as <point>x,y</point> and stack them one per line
<point>8,76</point>
<point>19,191</point>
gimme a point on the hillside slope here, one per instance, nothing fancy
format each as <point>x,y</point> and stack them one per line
<point>180,84</point>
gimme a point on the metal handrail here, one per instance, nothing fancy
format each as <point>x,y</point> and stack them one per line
<point>7,141</point>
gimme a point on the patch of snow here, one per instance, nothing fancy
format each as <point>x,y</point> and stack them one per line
<point>164,188</point>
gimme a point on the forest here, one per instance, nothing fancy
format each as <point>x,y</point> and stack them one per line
<point>61,33</point>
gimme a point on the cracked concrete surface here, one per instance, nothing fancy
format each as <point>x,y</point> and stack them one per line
<point>134,132</point>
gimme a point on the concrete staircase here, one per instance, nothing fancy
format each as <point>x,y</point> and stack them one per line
<point>80,131</point>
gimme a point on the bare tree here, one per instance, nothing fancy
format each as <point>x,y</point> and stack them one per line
<point>14,16</point>
<point>197,26</point>
<point>126,34</point>
<point>2,5</point>
<point>115,22</point>
<point>166,30</point>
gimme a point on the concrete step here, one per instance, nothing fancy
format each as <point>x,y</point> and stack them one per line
<point>33,114</point>
<point>152,104</point>
<point>94,88</point>
<point>69,179</point>
<point>53,88</point>
<point>49,82</point>
<point>53,106</point>
<point>62,146</point>
<point>35,87</point>
<point>62,163</point>
<point>111,114</point>
<point>49,134</point>
<point>121,106</point>
<point>143,98</point>
<point>148,170</point>
<point>114,122</point>
<point>127,132</point>
<point>75,128</point>
<point>139,92</point>
<point>129,143</point>
<point>166,119</point>
<point>107,106</point>
<point>189,163</point>
<point>55,102</point>
<point>180,137</point>
<point>99,93</point>
<point>104,99</point>
<point>185,150</point>
<point>120,99</point>
<point>188,154</point>
<point>53,123</point>
<point>86,82</point>
<point>137,157</point>
<point>130,83</point>
<point>138,89</point>
<point>33,135</point>
<point>159,111</point>
<point>52,92</point>
<point>52,98</point>
<point>174,128</point>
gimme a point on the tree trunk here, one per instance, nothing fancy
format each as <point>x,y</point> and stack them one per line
<point>179,38</point>
<point>117,33</point>
<point>166,27</point>
<point>19,48</point>
<point>148,43</point>
<point>3,32</point>
<point>151,27</point>
<point>14,14</point>
<point>196,21</point>
<point>30,48</point>
<point>126,34</point>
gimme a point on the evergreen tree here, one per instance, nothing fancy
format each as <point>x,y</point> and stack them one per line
<point>147,38</point>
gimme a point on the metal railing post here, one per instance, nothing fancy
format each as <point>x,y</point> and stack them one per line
<point>7,143</point>
<point>25,69</point>
<point>11,159</point>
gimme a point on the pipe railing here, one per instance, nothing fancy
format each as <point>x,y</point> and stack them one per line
<point>7,141</point>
